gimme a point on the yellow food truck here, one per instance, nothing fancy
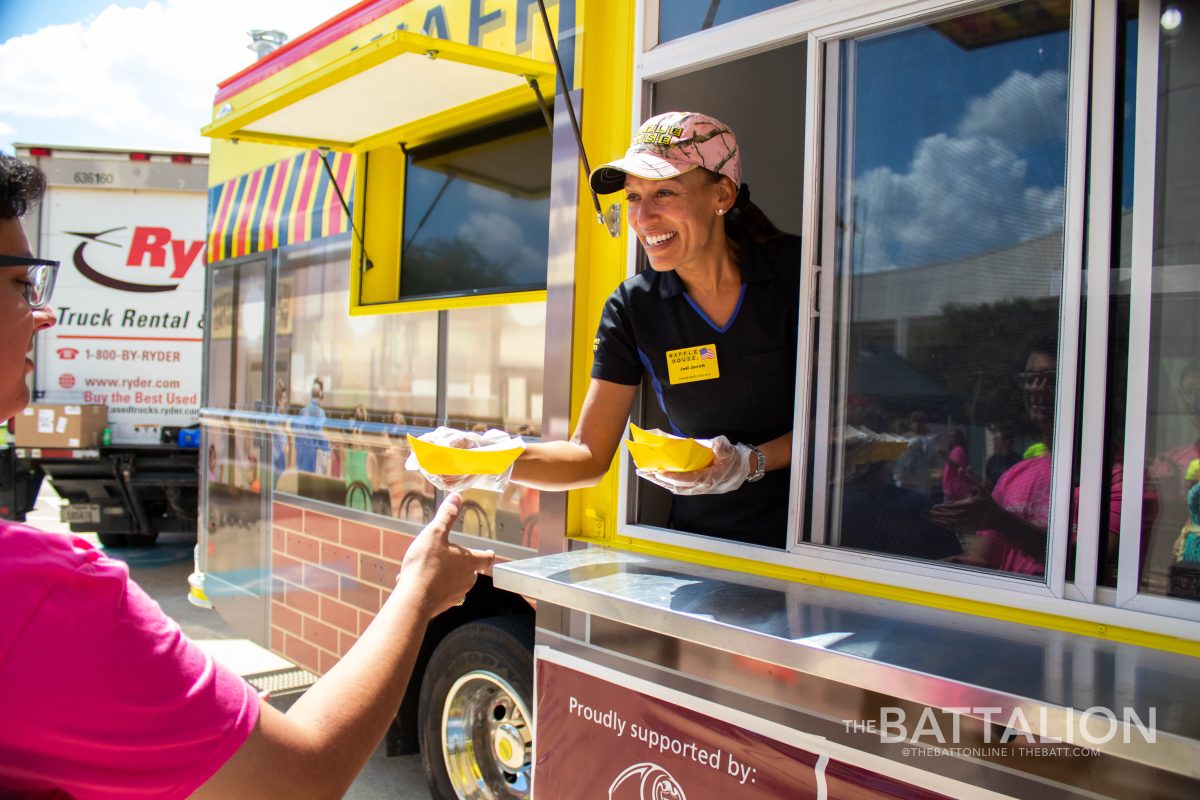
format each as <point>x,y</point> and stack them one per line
<point>986,579</point>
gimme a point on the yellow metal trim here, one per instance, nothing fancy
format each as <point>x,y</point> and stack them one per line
<point>451,303</point>
<point>357,61</point>
<point>379,216</point>
<point>606,80</point>
<point>977,608</point>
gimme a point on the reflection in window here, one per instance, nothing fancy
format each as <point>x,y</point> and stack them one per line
<point>233,458</point>
<point>678,18</point>
<point>235,369</point>
<point>494,366</point>
<point>1170,554</point>
<point>949,257</point>
<point>494,380</point>
<point>349,389</point>
<point>346,388</point>
<point>477,211</point>
<point>386,363</point>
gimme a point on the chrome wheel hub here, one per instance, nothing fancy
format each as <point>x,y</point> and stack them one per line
<point>487,738</point>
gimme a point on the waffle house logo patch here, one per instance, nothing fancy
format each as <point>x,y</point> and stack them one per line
<point>658,134</point>
<point>690,364</point>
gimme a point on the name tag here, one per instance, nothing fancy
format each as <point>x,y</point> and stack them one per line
<point>690,364</point>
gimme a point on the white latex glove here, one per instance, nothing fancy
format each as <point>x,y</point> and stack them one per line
<point>729,469</point>
<point>449,437</point>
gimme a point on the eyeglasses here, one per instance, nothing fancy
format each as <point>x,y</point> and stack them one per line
<point>41,278</point>
<point>1029,378</point>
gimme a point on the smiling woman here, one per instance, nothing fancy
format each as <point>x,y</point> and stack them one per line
<point>711,328</point>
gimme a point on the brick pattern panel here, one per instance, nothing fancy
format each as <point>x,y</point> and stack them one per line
<point>339,615</point>
<point>302,653</point>
<point>329,577</point>
<point>321,526</point>
<point>378,571</point>
<point>361,537</point>
<point>288,517</point>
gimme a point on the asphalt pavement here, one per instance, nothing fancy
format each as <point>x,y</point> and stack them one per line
<point>162,571</point>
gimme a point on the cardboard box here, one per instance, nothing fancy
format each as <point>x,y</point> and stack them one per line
<point>60,425</point>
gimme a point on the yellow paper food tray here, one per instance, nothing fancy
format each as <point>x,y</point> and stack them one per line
<point>438,459</point>
<point>667,453</point>
<point>879,451</point>
<point>651,437</point>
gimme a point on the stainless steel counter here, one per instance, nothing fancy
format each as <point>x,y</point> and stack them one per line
<point>937,658</point>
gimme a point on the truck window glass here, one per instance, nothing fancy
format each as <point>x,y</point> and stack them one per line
<point>1170,547</point>
<point>476,213</point>
<point>949,256</point>
<point>320,450</point>
<point>494,379</point>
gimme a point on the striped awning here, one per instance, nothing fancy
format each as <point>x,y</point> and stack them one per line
<point>287,202</point>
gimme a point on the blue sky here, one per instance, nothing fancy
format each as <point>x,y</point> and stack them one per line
<point>129,73</point>
<point>957,151</point>
<point>23,16</point>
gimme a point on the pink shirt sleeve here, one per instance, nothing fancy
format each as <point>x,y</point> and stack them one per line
<point>103,695</point>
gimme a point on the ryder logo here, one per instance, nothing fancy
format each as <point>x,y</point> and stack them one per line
<point>148,247</point>
<point>645,781</point>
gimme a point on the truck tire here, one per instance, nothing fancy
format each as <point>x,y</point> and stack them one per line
<point>128,539</point>
<point>475,712</point>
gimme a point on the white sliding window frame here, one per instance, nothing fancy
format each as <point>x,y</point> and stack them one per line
<point>1081,365</point>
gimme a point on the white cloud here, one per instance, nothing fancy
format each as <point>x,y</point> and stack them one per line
<point>136,77</point>
<point>1023,108</point>
<point>499,236</point>
<point>970,192</point>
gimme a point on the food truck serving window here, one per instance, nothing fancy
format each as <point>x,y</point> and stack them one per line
<point>768,127</point>
<point>476,212</point>
<point>950,350</point>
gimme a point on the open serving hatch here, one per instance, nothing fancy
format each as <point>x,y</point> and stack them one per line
<point>397,87</point>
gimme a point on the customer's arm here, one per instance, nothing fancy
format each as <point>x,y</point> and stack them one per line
<point>317,748</point>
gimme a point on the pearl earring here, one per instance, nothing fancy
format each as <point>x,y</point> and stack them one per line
<point>720,211</point>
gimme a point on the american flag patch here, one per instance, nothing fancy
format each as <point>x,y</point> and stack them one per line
<point>706,353</point>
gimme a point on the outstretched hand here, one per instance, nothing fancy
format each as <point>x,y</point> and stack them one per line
<point>464,440</point>
<point>974,513</point>
<point>439,574</point>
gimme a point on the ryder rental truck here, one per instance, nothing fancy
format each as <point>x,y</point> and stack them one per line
<point>128,229</point>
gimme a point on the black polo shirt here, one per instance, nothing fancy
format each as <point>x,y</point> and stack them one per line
<point>737,381</point>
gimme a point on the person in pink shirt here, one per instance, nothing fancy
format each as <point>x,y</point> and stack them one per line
<point>102,695</point>
<point>1011,524</point>
<point>1169,469</point>
<point>956,483</point>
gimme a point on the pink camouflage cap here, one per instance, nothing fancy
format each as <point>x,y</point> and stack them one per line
<point>670,145</point>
